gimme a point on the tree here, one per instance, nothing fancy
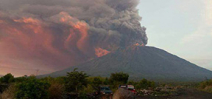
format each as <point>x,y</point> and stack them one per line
<point>106,81</point>
<point>145,84</point>
<point>119,77</point>
<point>96,82</point>
<point>8,78</point>
<point>20,79</point>
<point>32,88</point>
<point>75,81</point>
<point>132,83</point>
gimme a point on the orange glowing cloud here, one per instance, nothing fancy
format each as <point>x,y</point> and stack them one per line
<point>101,52</point>
<point>30,39</point>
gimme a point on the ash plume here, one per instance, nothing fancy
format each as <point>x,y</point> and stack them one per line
<point>57,34</point>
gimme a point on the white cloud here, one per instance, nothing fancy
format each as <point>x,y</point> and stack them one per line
<point>208,15</point>
<point>205,26</point>
<point>208,12</point>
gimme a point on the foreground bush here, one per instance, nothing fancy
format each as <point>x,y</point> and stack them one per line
<point>32,88</point>
<point>206,86</point>
<point>9,93</point>
<point>8,78</point>
<point>56,91</point>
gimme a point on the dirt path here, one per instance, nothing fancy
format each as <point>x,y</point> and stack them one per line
<point>185,94</point>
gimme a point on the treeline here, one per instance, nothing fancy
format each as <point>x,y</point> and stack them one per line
<point>76,82</point>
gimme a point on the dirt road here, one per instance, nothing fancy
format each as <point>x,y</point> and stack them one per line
<point>184,94</point>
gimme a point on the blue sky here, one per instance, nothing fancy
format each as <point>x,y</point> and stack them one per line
<point>181,27</point>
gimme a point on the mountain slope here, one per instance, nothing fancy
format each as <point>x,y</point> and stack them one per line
<point>142,62</point>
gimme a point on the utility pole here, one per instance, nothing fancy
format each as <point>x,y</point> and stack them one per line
<point>37,72</point>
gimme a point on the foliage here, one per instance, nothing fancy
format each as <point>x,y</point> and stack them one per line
<point>131,83</point>
<point>20,79</point>
<point>145,84</point>
<point>9,93</point>
<point>119,77</point>
<point>75,81</point>
<point>106,81</point>
<point>8,78</point>
<point>206,86</point>
<point>95,82</point>
<point>32,88</point>
<point>206,83</point>
<point>59,80</point>
<point>56,91</point>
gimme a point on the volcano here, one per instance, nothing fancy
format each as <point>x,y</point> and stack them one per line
<point>142,62</point>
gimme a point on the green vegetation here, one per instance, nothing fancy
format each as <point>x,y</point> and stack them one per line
<point>32,88</point>
<point>119,77</point>
<point>206,86</point>
<point>79,84</point>
<point>8,78</point>
<point>143,84</point>
<point>75,81</point>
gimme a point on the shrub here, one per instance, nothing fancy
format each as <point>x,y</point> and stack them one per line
<point>145,84</point>
<point>56,91</point>
<point>8,78</point>
<point>206,86</point>
<point>32,88</point>
<point>75,81</point>
<point>95,82</point>
<point>9,93</point>
<point>20,79</point>
<point>119,77</point>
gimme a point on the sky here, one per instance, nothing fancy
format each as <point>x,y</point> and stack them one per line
<point>181,27</point>
<point>47,36</point>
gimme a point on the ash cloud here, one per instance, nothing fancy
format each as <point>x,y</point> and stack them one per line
<point>62,33</point>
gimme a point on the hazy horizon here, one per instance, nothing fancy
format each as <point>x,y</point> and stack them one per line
<point>182,27</point>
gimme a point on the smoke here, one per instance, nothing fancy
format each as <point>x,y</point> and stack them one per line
<point>57,34</point>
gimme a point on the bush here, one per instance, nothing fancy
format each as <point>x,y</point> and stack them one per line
<point>9,93</point>
<point>8,78</point>
<point>32,88</point>
<point>56,91</point>
<point>20,79</point>
<point>95,82</point>
<point>206,86</point>
<point>119,77</point>
<point>75,81</point>
<point>145,84</point>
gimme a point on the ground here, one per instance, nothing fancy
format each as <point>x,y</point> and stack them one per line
<point>184,94</point>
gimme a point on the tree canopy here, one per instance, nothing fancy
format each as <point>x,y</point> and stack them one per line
<point>8,78</point>
<point>119,77</point>
<point>32,88</point>
<point>75,81</point>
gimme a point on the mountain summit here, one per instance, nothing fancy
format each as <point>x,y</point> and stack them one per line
<point>142,62</point>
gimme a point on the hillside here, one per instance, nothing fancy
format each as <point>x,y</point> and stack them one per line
<point>142,62</point>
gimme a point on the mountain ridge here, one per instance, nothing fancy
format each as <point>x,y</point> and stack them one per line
<point>142,62</point>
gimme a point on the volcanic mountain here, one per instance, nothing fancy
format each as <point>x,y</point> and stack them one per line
<point>142,62</point>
